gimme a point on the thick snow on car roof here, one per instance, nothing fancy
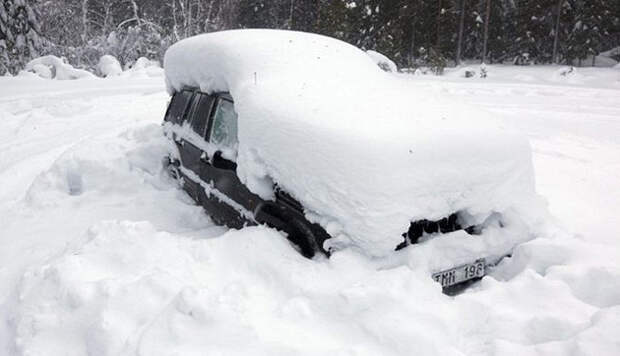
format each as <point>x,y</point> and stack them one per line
<point>364,151</point>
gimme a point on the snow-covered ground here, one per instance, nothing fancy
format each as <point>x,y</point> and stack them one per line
<point>101,253</point>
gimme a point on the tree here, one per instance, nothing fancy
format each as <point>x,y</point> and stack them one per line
<point>460,38</point>
<point>404,30</point>
<point>486,31</point>
<point>20,38</point>
<point>417,23</point>
<point>262,14</point>
<point>535,29</point>
<point>556,31</point>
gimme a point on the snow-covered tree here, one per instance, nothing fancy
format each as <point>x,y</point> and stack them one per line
<point>404,30</point>
<point>587,33</point>
<point>20,38</point>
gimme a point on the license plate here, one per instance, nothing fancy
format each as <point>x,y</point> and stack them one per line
<point>460,274</point>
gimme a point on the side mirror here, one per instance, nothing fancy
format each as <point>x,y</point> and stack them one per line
<point>222,163</point>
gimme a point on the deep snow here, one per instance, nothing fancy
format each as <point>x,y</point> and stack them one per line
<point>102,254</point>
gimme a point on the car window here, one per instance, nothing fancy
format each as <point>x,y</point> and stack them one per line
<point>224,129</point>
<point>178,106</point>
<point>200,113</point>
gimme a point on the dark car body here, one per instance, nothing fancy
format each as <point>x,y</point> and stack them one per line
<point>211,179</point>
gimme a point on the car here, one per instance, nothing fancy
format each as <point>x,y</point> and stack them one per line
<point>210,178</point>
<point>282,128</point>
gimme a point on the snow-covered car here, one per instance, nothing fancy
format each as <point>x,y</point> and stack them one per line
<point>306,134</point>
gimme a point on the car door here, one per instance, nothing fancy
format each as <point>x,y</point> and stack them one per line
<point>177,112</point>
<point>221,166</point>
<point>189,144</point>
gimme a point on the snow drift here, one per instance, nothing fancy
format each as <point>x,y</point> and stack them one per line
<point>53,67</point>
<point>106,256</point>
<point>382,61</point>
<point>364,153</point>
<point>144,67</point>
<point>109,66</point>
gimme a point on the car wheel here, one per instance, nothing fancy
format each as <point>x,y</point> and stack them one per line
<point>299,232</point>
<point>303,238</point>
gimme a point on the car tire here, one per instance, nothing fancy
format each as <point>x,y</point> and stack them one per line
<point>301,235</point>
<point>299,231</point>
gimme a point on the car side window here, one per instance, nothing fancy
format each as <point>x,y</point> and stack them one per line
<point>178,106</point>
<point>200,113</point>
<point>224,128</point>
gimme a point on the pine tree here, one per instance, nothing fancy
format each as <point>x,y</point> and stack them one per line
<point>333,19</point>
<point>592,28</point>
<point>535,22</point>
<point>20,40</point>
<point>449,28</point>
<point>303,15</point>
<point>459,44</point>
<point>473,29</point>
<point>611,27</point>
<point>404,30</point>
<point>418,30</point>
<point>262,14</point>
<point>487,17</point>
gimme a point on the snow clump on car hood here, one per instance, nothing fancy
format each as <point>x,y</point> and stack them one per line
<point>365,153</point>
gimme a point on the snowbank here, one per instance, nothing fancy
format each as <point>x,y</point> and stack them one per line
<point>382,61</point>
<point>42,71</point>
<point>57,68</point>
<point>603,59</point>
<point>553,75</point>
<point>109,66</point>
<point>128,288</point>
<point>364,153</point>
<point>469,71</point>
<point>144,67</point>
<point>568,74</point>
<point>135,268</point>
<point>144,62</point>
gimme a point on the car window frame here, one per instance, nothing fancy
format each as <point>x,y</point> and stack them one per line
<point>192,113</point>
<point>188,105</point>
<point>221,96</point>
